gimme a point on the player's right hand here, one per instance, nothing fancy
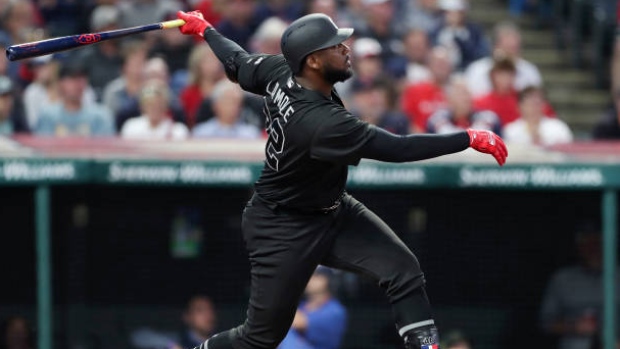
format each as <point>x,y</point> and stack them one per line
<point>489,143</point>
<point>195,24</point>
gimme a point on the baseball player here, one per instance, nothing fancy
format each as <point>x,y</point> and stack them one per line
<point>300,215</point>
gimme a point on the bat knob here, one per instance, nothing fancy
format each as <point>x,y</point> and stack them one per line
<point>10,54</point>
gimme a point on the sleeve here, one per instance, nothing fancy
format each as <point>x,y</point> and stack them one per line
<point>385,146</point>
<point>326,326</point>
<point>340,137</point>
<point>252,72</point>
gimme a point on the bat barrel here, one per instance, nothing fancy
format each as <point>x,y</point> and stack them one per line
<point>44,47</point>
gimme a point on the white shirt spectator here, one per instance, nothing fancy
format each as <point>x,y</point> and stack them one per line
<point>479,81</point>
<point>551,131</point>
<point>140,128</point>
<point>37,100</point>
<point>417,73</point>
<point>215,129</point>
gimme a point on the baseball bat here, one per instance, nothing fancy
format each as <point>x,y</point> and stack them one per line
<point>63,43</point>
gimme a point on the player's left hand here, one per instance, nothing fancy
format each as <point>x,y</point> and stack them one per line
<point>489,143</point>
<point>194,23</point>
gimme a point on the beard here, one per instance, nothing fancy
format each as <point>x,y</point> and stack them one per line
<point>334,75</point>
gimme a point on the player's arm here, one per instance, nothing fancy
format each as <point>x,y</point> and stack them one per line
<point>345,139</point>
<point>249,70</point>
<point>385,146</point>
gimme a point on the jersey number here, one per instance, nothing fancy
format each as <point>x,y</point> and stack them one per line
<point>275,143</point>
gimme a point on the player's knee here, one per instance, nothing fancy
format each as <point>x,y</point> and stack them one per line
<point>404,279</point>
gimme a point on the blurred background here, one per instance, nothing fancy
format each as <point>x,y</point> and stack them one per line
<point>125,166</point>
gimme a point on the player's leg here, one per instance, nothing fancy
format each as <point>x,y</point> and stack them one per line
<point>284,251</point>
<point>365,244</point>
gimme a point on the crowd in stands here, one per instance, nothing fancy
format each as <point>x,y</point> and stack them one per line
<point>421,66</point>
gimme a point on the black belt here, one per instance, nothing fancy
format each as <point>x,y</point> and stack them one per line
<point>274,205</point>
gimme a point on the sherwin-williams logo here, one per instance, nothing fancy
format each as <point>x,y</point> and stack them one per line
<point>188,174</point>
<point>369,174</point>
<point>537,177</point>
<point>18,171</point>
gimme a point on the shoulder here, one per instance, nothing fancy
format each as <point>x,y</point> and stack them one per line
<point>515,126</point>
<point>553,122</point>
<point>479,66</point>
<point>525,65</point>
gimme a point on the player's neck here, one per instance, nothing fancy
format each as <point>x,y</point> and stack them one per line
<point>320,86</point>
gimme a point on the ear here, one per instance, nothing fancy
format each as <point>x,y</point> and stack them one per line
<point>314,61</point>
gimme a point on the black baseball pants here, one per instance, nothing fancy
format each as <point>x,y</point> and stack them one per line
<point>285,246</point>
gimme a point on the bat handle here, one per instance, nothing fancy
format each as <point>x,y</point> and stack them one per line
<point>175,23</point>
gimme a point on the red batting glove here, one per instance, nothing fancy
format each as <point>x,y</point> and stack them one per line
<point>194,23</point>
<point>489,143</point>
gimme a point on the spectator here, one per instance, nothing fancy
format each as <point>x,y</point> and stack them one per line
<point>504,99</point>
<point>608,127</point>
<point>573,301</point>
<point>267,37</point>
<point>373,102</point>
<point>199,321</point>
<point>121,94</point>
<point>210,9</point>
<point>43,92</point>
<point>286,10</point>
<point>464,39</point>
<point>417,48</point>
<point>103,61</point>
<point>72,117</point>
<point>154,123</point>
<point>460,113</point>
<point>140,12</point>
<point>175,50</point>
<point>61,17</point>
<point>17,334</point>
<point>204,72</point>
<point>11,119</point>
<point>507,42</point>
<point>367,63</point>
<point>383,25</point>
<point>239,21</point>
<point>18,23</point>
<point>421,100</point>
<point>320,321</point>
<point>326,7</point>
<point>424,15</point>
<point>227,104</point>
<point>533,127</point>
<point>153,69</point>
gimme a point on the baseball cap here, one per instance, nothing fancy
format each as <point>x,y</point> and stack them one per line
<point>453,5</point>
<point>6,86</point>
<point>271,28</point>
<point>104,16</point>
<point>366,47</point>
<point>37,61</point>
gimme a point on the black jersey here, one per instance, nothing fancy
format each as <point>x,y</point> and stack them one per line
<point>312,137</point>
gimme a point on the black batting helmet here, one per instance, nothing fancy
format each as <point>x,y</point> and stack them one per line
<point>309,34</point>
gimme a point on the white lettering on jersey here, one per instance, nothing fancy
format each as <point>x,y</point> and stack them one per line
<point>281,100</point>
